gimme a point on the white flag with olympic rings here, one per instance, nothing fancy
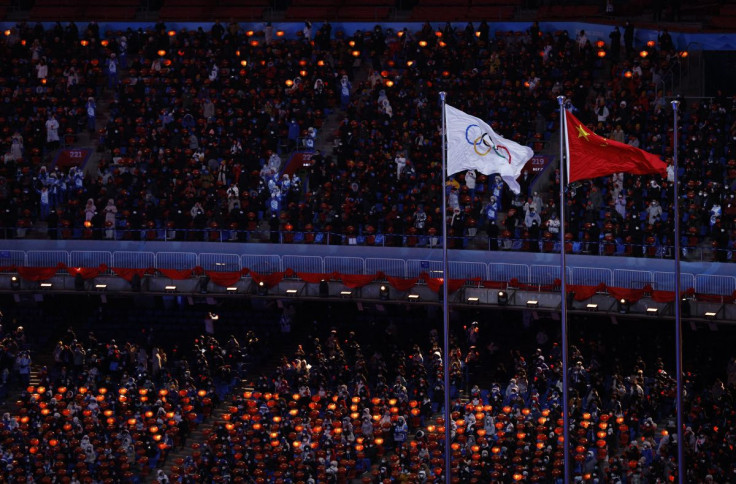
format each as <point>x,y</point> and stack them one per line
<point>472,144</point>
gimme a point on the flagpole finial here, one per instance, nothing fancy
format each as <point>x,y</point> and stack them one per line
<point>675,104</point>
<point>442,96</point>
<point>561,100</point>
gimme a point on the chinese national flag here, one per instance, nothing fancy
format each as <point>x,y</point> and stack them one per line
<point>591,156</point>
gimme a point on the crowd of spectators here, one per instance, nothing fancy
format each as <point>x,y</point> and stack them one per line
<point>365,401</point>
<point>200,125</point>
<point>110,410</point>
<point>347,407</point>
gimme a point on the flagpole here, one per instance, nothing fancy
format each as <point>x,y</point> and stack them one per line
<point>563,298</point>
<point>678,308</point>
<point>445,306</point>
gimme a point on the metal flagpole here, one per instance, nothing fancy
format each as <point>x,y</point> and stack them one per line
<point>563,292</point>
<point>678,304</point>
<point>445,306</point>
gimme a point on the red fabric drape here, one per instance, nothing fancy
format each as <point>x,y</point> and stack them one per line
<point>224,279</point>
<point>584,292</point>
<point>435,284</point>
<point>354,281</point>
<point>269,280</point>
<point>631,295</point>
<point>127,274</point>
<point>401,284</point>
<point>669,296</point>
<point>315,277</point>
<point>37,273</point>
<point>177,274</point>
<point>86,272</point>
<point>717,298</point>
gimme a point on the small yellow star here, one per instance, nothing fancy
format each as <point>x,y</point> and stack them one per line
<point>582,133</point>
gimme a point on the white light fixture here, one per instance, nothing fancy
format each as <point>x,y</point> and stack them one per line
<point>46,285</point>
<point>170,288</point>
<point>413,297</point>
<point>473,300</point>
<point>652,311</point>
<point>591,307</point>
<point>532,303</point>
<point>100,287</point>
<point>710,315</point>
<point>292,292</point>
<point>346,293</point>
<point>231,289</point>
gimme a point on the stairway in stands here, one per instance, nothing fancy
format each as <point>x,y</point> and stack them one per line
<point>196,439</point>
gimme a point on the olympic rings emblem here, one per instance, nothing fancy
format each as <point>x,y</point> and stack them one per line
<point>483,143</point>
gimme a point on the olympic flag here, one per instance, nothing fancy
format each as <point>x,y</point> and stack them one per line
<point>472,144</point>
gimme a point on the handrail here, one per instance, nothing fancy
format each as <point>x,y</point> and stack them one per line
<point>530,274</point>
<point>373,239</point>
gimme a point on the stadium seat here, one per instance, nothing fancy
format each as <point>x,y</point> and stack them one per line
<point>238,13</point>
<point>363,13</point>
<point>493,12</point>
<point>243,3</point>
<point>499,3</point>
<point>370,3</point>
<point>301,13</point>
<point>315,3</point>
<point>438,14</point>
<point>55,12</point>
<point>110,12</point>
<point>181,13</point>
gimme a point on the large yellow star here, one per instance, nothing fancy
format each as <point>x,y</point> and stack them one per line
<point>582,133</point>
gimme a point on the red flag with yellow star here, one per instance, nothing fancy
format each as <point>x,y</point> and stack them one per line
<point>590,155</point>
